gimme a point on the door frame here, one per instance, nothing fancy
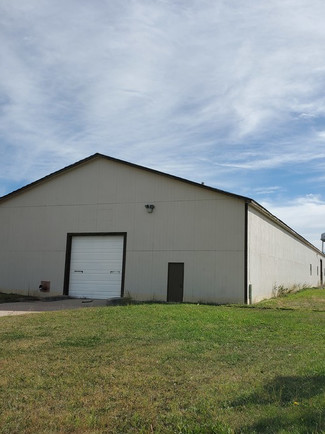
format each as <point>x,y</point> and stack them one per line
<point>70,236</point>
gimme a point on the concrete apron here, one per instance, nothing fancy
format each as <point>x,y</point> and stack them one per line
<point>24,307</point>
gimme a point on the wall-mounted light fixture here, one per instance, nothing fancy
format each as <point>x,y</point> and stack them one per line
<point>149,207</point>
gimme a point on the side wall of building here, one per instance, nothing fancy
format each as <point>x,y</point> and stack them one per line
<point>201,228</point>
<point>277,259</point>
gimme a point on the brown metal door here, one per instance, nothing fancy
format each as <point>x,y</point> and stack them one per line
<point>175,282</point>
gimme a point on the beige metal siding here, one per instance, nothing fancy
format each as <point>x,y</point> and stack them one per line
<point>190,224</point>
<point>276,258</point>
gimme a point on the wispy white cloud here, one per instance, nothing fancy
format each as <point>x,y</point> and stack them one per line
<point>267,190</point>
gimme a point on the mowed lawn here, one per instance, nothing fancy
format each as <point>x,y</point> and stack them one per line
<point>166,369</point>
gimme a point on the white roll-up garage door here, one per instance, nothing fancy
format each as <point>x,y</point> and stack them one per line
<point>96,266</point>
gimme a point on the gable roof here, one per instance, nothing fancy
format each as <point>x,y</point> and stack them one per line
<point>97,155</point>
<point>116,160</point>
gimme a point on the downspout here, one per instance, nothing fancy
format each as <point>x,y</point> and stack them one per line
<point>246,299</point>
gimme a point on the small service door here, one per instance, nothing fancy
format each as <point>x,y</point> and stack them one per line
<point>175,284</point>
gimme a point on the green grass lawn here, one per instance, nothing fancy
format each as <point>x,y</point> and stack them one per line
<point>165,369</point>
<point>305,299</point>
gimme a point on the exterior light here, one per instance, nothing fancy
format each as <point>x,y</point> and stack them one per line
<point>149,207</point>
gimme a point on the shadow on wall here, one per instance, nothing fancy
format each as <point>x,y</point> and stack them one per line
<point>283,393</point>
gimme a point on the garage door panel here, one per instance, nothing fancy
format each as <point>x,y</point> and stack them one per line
<point>91,278</point>
<point>96,266</point>
<point>85,256</point>
<point>88,248</point>
<point>84,267</point>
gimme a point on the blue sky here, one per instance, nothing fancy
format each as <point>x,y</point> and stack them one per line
<point>230,93</point>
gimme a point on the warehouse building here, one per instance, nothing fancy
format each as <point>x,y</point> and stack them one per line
<point>104,228</point>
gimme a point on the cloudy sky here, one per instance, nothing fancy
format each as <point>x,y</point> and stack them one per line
<point>228,92</point>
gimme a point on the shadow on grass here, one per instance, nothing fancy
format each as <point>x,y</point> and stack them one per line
<point>286,400</point>
<point>285,390</point>
<point>307,421</point>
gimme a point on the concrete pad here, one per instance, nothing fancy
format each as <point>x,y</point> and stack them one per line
<point>24,307</point>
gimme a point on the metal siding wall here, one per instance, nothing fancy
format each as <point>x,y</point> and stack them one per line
<point>277,258</point>
<point>201,228</point>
